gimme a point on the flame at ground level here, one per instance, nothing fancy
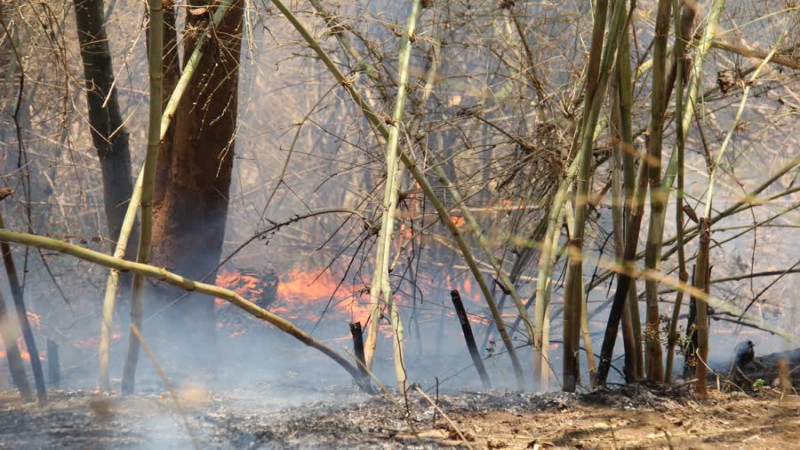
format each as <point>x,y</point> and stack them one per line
<point>298,295</point>
<point>23,351</point>
<point>315,294</point>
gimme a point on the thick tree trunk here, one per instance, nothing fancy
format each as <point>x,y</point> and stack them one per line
<point>194,179</point>
<point>108,133</point>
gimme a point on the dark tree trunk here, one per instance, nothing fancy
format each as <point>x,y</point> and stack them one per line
<point>194,179</point>
<point>15,365</point>
<point>109,136</point>
<point>17,295</point>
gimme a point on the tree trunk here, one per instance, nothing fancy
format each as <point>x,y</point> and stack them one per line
<point>194,179</point>
<point>15,365</point>
<point>109,136</point>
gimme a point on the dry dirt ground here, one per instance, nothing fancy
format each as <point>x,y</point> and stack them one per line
<point>618,417</point>
<point>607,421</point>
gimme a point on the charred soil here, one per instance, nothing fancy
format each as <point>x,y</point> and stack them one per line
<point>616,417</point>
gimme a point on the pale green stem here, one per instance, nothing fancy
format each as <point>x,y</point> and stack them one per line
<point>155,46</point>
<point>112,285</point>
<point>653,361</point>
<point>683,275</point>
<point>572,309</point>
<point>380,282</point>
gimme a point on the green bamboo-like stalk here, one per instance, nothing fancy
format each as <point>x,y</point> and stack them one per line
<point>411,164</point>
<point>546,263</point>
<point>619,197</point>
<point>595,59</point>
<point>585,330</point>
<point>629,182</point>
<point>155,48</point>
<point>653,360</point>
<point>623,189</point>
<point>544,277</point>
<point>112,284</point>
<point>625,293</point>
<point>680,54</point>
<point>574,285</point>
<point>161,274</point>
<point>380,282</point>
<point>701,279</point>
<point>541,363</point>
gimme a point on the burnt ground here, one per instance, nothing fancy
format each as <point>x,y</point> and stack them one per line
<point>341,417</point>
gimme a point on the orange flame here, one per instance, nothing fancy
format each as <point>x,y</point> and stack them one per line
<point>306,294</point>
<point>300,295</point>
<point>247,286</point>
<point>23,351</point>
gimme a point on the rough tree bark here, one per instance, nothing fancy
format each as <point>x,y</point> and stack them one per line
<point>194,179</point>
<point>109,136</point>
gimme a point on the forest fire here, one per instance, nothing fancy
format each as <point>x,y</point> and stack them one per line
<point>312,295</point>
<point>298,295</point>
<point>35,321</point>
<point>23,351</point>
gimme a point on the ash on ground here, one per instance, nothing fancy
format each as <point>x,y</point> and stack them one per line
<point>335,417</point>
